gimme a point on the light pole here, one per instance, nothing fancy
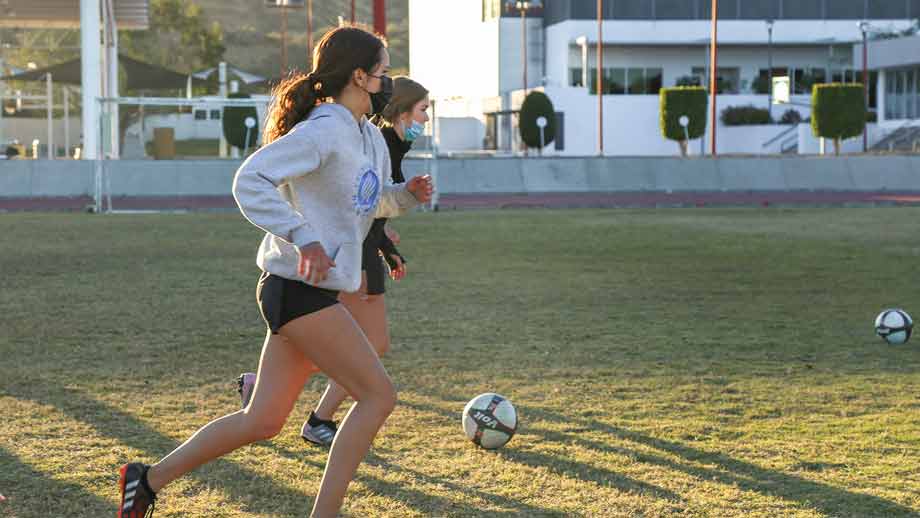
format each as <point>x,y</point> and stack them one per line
<point>713,76</point>
<point>864,28</point>
<point>583,42</point>
<point>309,35</point>
<point>770,67</point>
<point>600,76</point>
<point>522,7</point>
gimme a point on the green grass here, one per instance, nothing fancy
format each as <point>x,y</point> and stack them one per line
<point>704,363</point>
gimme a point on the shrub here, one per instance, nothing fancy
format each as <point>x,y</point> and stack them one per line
<point>537,105</point>
<point>838,112</point>
<point>676,102</point>
<point>745,116</point>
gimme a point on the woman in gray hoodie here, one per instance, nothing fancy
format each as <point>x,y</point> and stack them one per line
<point>315,188</point>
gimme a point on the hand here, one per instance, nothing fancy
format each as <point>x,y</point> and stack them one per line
<point>421,187</point>
<point>392,234</point>
<point>314,263</point>
<point>398,272</point>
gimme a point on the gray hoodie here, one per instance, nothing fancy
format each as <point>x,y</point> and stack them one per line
<point>325,180</point>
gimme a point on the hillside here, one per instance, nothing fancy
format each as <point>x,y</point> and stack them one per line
<point>252,32</point>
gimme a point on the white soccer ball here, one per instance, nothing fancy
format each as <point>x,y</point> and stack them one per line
<point>489,420</point>
<point>894,326</point>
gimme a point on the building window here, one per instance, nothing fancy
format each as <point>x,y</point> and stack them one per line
<point>560,131</point>
<point>632,10</point>
<point>728,79</point>
<point>674,9</point>
<point>802,9</point>
<point>653,80</point>
<point>635,81</point>
<point>803,80</point>
<point>576,77</point>
<point>201,115</point>
<point>762,85</point>
<point>887,10</point>
<point>215,115</point>
<point>910,90</point>
<point>902,100</point>
<point>758,10</point>
<point>620,81</point>
<point>846,10</point>
<point>616,79</point>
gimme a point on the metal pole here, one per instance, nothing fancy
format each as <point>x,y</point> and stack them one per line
<point>584,64</point>
<point>50,107</point>
<point>865,56</point>
<point>91,87</point>
<point>309,35</point>
<point>600,76</point>
<point>524,42</point>
<point>770,67</point>
<point>284,66</point>
<point>2,93</point>
<point>380,17</point>
<point>222,78</point>
<point>66,121</point>
<point>111,85</point>
<point>713,76</point>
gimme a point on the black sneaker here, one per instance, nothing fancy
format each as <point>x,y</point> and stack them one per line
<point>318,431</point>
<point>137,499</point>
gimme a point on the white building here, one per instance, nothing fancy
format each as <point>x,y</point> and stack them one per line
<point>473,63</point>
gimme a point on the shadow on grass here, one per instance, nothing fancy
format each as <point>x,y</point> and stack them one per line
<point>565,466</point>
<point>253,491</point>
<point>730,471</point>
<point>427,503</point>
<point>27,490</point>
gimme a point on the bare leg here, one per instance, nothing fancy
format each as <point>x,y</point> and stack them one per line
<point>332,340</point>
<point>370,312</point>
<point>283,370</point>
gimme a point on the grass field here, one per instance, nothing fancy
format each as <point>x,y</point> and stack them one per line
<point>705,363</point>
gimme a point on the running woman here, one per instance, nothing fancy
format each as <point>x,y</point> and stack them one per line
<point>402,121</point>
<point>315,188</point>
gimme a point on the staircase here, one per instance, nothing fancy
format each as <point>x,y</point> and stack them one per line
<point>905,138</point>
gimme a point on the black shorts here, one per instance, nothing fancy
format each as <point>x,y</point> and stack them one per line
<point>283,300</point>
<point>373,267</point>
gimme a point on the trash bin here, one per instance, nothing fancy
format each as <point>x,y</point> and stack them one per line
<point>164,144</point>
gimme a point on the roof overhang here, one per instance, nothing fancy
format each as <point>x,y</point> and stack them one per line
<point>65,14</point>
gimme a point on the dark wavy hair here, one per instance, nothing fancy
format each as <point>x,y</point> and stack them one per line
<point>337,55</point>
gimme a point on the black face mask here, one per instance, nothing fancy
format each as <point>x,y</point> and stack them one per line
<point>380,99</point>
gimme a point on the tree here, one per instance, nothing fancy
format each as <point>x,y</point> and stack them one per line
<point>680,101</point>
<point>178,38</point>
<point>838,112</point>
<point>234,123</point>
<point>537,105</point>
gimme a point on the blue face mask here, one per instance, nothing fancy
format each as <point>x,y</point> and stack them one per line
<point>413,132</point>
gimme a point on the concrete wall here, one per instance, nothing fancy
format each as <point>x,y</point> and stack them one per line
<point>42,178</point>
<point>628,174</point>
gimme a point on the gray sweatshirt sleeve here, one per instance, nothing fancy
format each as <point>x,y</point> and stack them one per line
<point>255,186</point>
<point>395,200</point>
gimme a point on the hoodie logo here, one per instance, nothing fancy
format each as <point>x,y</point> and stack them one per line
<point>367,192</point>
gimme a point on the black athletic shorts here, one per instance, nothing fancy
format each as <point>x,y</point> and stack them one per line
<point>373,267</point>
<point>282,300</point>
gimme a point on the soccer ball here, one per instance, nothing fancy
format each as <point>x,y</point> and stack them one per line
<point>489,420</point>
<point>894,326</point>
